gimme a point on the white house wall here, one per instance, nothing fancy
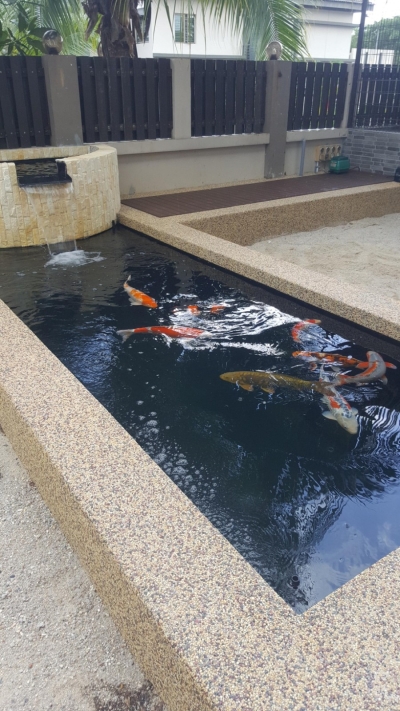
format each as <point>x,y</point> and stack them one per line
<point>328,33</point>
<point>220,39</point>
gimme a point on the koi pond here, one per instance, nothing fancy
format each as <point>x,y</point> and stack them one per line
<point>307,501</point>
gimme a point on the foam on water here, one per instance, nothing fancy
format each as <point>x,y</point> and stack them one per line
<point>75,258</point>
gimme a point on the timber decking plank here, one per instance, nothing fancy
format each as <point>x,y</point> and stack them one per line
<point>232,196</point>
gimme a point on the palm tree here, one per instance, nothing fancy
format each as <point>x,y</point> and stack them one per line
<point>258,20</point>
<point>22,23</point>
<point>116,22</point>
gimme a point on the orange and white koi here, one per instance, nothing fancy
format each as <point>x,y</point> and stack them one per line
<point>375,371</point>
<point>194,309</point>
<point>335,359</point>
<point>138,298</point>
<point>217,308</point>
<point>340,410</point>
<point>177,332</point>
<point>299,327</point>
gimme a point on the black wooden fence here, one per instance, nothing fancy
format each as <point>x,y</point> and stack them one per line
<point>378,102</point>
<point>227,97</point>
<point>125,99</point>
<point>317,95</point>
<point>24,115</point>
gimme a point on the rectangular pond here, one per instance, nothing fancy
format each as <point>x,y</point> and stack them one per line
<point>308,504</point>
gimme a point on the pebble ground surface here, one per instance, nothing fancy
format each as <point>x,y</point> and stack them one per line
<point>59,648</point>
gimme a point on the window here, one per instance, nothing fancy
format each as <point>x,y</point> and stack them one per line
<point>184,28</point>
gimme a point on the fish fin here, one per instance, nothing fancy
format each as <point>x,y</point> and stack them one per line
<point>134,302</point>
<point>390,365</point>
<point>328,415</point>
<point>125,334</point>
<point>246,386</point>
<point>354,411</point>
<point>384,380</point>
<point>269,390</point>
<point>362,366</point>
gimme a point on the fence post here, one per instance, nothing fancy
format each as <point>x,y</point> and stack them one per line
<point>61,77</point>
<point>346,111</point>
<point>181,99</point>
<point>276,116</point>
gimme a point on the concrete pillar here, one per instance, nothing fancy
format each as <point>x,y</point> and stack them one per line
<point>276,116</point>
<point>61,76</point>
<point>181,99</point>
<point>350,80</point>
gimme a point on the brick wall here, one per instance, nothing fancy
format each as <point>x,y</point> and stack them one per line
<point>372,150</point>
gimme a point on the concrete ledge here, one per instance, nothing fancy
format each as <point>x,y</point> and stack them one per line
<point>316,134</point>
<point>246,224</point>
<point>169,145</point>
<point>213,237</point>
<point>205,628</point>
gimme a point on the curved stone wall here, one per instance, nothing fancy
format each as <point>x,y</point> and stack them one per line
<point>47,214</point>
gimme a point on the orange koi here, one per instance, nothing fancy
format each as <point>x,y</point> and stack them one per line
<point>335,359</point>
<point>299,327</point>
<point>194,309</point>
<point>138,298</point>
<point>217,308</point>
<point>177,332</point>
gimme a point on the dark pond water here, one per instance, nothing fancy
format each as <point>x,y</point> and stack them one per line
<point>293,491</point>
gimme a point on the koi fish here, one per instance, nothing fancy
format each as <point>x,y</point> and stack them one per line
<point>138,298</point>
<point>217,308</point>
<point>194,309</point>
<point>375,371</point>
<point>340,410</point>
<point>299,327</point>
<point>335,359</point>
<point>178,332</point>
<point>268,381</point>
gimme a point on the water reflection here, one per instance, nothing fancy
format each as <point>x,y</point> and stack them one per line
<point>294,493</point>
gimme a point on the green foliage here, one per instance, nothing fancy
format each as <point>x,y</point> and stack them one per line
<point>382,35</point>
<point>263,21</point>
<point>23,23</point>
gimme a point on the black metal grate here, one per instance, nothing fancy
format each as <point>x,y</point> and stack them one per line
<point>317,95</point>
<point>228,97</point>
<point>24,114</point>
<point>381,42</point>
<point>125,99</point>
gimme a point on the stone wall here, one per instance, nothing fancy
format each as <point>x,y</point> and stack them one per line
<point>47,214</point>
<point>372,150</point>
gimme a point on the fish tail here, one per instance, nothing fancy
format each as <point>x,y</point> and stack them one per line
<point>125,334</point>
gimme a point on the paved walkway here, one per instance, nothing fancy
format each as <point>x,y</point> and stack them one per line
<point>59,648</point>
<point>184,203</point>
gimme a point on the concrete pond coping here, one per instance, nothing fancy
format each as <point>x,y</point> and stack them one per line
<point>222,236</point>
<point>206,629</point>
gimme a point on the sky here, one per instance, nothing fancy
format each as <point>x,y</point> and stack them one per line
<point>384,8</point>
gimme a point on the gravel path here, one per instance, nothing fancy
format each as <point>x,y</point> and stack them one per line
<point>59,648</point>
<point>365,253</point>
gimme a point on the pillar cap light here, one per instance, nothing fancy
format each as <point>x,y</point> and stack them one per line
<point>52,42</point>
<point>274,50</point>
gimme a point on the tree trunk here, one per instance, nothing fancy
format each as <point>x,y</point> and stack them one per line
<point>117,42</point>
